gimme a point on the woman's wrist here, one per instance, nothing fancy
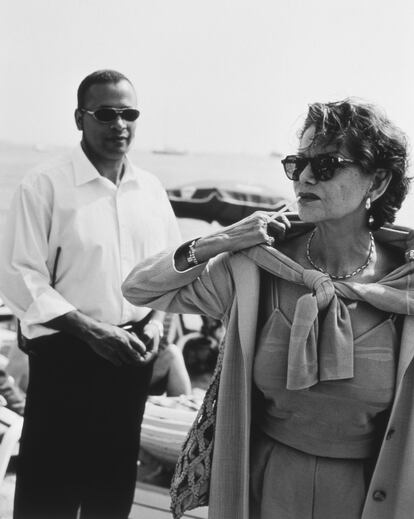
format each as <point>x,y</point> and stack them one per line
<point>191,255</point>
<point>185,256</point>
<point>200,250</point>
<point>209,246</point>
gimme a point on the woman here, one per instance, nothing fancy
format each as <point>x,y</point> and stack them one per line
<point>320,331</point>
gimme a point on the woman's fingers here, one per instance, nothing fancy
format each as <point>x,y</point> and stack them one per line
<point>281,218</point>
<point>277,228</point>
<point>274,226</point>
<point>260,227</point>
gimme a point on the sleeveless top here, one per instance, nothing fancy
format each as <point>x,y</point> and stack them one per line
<point>333,418</point>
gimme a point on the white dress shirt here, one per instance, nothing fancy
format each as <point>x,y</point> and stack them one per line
<point>103,231</point>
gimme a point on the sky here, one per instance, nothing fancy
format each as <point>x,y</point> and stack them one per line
<point>227,76</point>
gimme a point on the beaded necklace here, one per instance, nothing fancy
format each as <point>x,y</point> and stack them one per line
<point>344,276</point>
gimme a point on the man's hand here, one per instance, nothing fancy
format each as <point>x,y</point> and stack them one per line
<point>116,345</point>
<point>109,341</point>
<point>152,338</point>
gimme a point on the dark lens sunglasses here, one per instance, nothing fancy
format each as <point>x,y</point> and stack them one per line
<point>323,166</point>
<point>109,115</point>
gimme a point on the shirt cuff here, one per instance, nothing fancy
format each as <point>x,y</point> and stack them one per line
<point>49,305</point>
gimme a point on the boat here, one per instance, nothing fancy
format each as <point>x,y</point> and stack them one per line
<point>225,201</point>
<point>169,151</point>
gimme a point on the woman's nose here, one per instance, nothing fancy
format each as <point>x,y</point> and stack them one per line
<point>307,175</point>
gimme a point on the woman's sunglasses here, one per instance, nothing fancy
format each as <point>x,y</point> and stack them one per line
<point>109,115</point>
<point>323,166</point>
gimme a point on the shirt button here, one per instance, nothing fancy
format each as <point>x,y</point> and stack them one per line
<point>379,495</point>
<point>390,434</point>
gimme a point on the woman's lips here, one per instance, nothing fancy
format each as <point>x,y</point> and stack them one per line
<point>307,197</point>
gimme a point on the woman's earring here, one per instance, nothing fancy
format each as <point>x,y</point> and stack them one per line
<point>368,203</point>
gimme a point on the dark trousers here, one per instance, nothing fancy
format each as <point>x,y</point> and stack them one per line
<point>80,439</point>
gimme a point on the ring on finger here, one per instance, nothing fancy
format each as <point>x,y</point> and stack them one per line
<point>269,240</point>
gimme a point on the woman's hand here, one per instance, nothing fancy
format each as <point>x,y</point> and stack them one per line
<point>260,227</point>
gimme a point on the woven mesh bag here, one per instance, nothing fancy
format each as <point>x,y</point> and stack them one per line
<point>191,481</point>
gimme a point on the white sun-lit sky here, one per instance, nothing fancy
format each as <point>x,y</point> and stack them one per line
<point>211,76</point>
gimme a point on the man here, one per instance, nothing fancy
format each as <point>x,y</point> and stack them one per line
<point>76,228</point>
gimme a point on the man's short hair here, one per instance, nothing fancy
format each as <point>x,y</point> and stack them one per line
<point>98,77</point>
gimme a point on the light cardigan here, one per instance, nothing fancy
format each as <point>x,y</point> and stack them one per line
<point>228,288</point>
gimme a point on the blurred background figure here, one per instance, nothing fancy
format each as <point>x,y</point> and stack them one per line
<point>170,375</point>
<point>12,396</point>
<point>200,352</point>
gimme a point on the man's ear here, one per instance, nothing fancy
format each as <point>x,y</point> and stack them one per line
<point>381,180</point>
<point>79,119</point>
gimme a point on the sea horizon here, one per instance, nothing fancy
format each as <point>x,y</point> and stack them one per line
<point>174,168</point>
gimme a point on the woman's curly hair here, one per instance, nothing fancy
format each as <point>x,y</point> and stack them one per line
<point>372,140</point>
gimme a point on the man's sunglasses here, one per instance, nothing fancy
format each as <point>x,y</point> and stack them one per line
<point>109,115</point>
<point>323,166</point>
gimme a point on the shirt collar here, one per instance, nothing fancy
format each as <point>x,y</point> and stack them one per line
<point>85,171</point>
<point>397,236</point>
<point>131,173</point>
